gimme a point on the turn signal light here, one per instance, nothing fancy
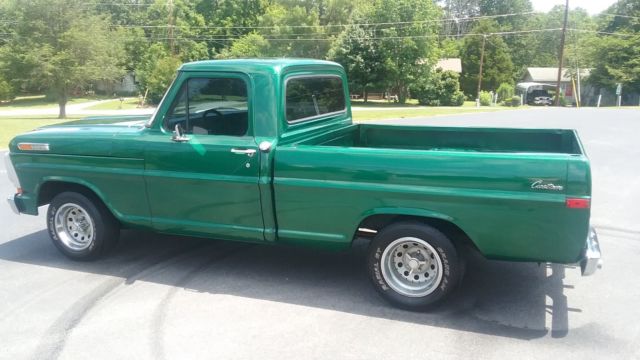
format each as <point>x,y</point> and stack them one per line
<point>33,147</point>
<point>578,203</point>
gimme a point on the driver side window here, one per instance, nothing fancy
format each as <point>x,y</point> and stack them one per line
<point>210,106</point>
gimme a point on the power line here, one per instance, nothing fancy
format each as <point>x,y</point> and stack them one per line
<point>622,16</point>
<point>472,18</point>
<point>603,32</point>
<point>120,4</point>
<point>212,38</point>
<point>207,38</point>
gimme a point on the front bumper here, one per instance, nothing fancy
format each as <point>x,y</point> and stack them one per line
<point>591,257</point>
<point>13,204</point>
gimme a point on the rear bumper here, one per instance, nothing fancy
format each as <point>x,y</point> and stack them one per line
<point>591,257</point>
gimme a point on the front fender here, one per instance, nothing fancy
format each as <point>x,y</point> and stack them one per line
<point>76,181</point>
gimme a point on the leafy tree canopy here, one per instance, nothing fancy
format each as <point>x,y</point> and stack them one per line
<point>59,46</point>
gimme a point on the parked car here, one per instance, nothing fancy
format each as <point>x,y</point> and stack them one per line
<point>539,97</point>
<point>265,151</point>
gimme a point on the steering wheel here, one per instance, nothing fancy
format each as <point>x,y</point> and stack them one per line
<point>218,113</point>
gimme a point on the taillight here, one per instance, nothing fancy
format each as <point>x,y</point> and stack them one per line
<point>578,203</point>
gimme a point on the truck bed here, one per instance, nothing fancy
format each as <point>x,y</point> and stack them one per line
<point>505,188</point>
<point>453,139</point>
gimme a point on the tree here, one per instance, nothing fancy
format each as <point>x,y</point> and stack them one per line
<point>61,45</point>
<point>458,9</point>
<point>181,27</point>
<point>408,47</point>
<point>497,65</point>
<point>618,62</point>
<point>499,7</point>
<point>250,45</point>
<point>357,50</point>
<point>156,71</point>
<point>292,31</point>
<point>615,57</point>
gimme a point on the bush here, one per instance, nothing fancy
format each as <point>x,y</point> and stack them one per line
<point>6,91</point>
<point>485,98</point>
<point>505,92</point>
<point>441,88</point>
<point>515,101</point>
<point>457,99</point>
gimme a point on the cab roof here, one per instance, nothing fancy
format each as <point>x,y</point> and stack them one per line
<point>275,65</point>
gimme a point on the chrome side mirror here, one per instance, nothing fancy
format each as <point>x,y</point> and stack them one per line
<point>178,134</point>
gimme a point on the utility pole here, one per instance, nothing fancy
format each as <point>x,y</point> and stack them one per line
<point>170,27</point>
<point>564,32</point>
<point>484,40</point>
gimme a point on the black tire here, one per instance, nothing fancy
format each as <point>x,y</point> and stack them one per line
<point>104,233</point>
<point>451,265</point>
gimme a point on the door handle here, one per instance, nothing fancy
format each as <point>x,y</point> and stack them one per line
<point>248,152</point>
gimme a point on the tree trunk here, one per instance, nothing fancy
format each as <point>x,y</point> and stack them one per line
<point>402,94</point>
<point>62,104</point>
<point>366,94</point>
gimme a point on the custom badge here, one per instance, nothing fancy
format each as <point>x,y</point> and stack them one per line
<point>539,184</point>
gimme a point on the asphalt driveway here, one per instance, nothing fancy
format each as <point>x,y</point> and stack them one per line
<point>162,297</point>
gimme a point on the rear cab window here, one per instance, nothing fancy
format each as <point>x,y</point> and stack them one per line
<point>310,97</point>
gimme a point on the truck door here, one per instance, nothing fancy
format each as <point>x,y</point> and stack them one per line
<point>204,181</point>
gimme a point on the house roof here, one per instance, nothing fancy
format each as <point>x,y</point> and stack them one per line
<point>550,74</point>
<point>453,64</point>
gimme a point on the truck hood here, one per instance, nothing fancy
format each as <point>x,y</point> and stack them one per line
<point>92,136</point>
<point>109,123</point>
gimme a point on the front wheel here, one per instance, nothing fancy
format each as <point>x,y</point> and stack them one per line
<point>81,227</point>
<point>412,265</point>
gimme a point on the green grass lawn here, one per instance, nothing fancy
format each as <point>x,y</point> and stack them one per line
<point>40,102</point>
<point>10,127</point>
<point>383,103</point>
<point>128,103</point>
<point>364,115</point>
<point>411,103</point>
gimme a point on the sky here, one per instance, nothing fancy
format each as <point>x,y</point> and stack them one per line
<point>592,6</point>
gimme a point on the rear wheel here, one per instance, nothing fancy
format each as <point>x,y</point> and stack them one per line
<point>80,226</point>
<point>412,265</point>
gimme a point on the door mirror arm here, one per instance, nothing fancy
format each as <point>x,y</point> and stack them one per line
<point>178,134</point>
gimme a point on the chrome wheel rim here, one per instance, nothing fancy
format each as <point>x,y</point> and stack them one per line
<point>74,227</point>
<point>411,267</point>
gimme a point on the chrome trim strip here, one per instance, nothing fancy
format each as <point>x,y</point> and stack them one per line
<point>11,171</point>
<point>12,204</point>
<point>592,257</point>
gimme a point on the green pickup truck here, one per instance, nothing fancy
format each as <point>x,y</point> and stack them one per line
<point>265,151</point>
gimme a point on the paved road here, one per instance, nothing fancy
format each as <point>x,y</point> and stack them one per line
<point>161,297</point>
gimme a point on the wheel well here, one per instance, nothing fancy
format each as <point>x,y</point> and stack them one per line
<point>51,189</point>
<point>370,226</point>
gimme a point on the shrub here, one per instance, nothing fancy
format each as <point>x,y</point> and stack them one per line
<point>563,101</point>
<point>6,91</point>
<point>505,92</point>
<point>441,88</point>
<point>485,98</point>
<point>515,101</point>
<point>457,99</point>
